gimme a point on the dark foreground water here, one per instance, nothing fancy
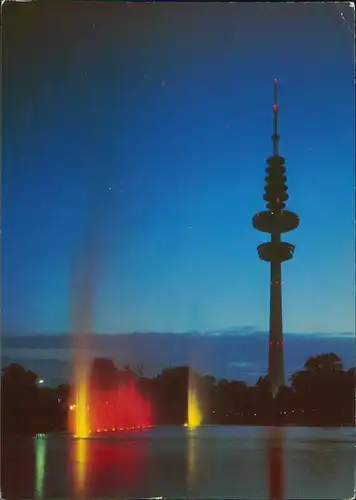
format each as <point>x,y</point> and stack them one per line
<point>209,462</point>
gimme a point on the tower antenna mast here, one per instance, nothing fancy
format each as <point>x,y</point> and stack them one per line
<point>275,136</point>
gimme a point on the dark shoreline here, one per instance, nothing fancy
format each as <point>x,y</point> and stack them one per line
<point>135,432</point>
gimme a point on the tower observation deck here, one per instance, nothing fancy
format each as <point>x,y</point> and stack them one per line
<point>275,221</point>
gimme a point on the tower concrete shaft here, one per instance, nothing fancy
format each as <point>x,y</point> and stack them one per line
<point>276,221</point>
<point>275,351</point>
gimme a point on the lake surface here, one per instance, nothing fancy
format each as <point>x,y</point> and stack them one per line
<point>175,462</point>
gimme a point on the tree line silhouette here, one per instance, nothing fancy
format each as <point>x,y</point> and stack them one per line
<point>322,394</point>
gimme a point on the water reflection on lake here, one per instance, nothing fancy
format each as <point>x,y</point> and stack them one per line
<point>220,462</point>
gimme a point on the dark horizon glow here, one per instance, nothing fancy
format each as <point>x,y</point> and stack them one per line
<point>117,125</point>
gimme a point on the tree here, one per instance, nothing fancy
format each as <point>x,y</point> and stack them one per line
<point>16,375</point>
<point>19,397</point>
<point>326,362</point>
<point>263,383</point>
<point>324,390</point>
<point>172,394</point>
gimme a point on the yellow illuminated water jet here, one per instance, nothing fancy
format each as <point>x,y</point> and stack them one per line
<point>81,321</point>
<point>79,414</point>
<point>82,427</point>
<point>194,411</point>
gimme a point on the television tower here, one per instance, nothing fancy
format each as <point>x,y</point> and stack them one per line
<point>275,221</point>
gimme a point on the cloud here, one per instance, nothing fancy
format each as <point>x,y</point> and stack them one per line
<point>240,364</point>
<point>238,352</point>
<point>231,331</point>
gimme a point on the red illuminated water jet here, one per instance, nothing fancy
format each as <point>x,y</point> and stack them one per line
<point>119,409</point>
<point>113,401</point>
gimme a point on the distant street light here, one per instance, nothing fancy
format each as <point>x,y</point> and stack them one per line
<point>41,381</point>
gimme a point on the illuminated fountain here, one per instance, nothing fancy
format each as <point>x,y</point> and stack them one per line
<point>79,421</point>
<point>82,311</point>
<point>82,421</point>
<point>110,407</point>
<point>194,410</point>
<point>119,409</point>
<point>104,398</point>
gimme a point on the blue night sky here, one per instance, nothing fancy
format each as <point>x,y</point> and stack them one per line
<point>135,139</point>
